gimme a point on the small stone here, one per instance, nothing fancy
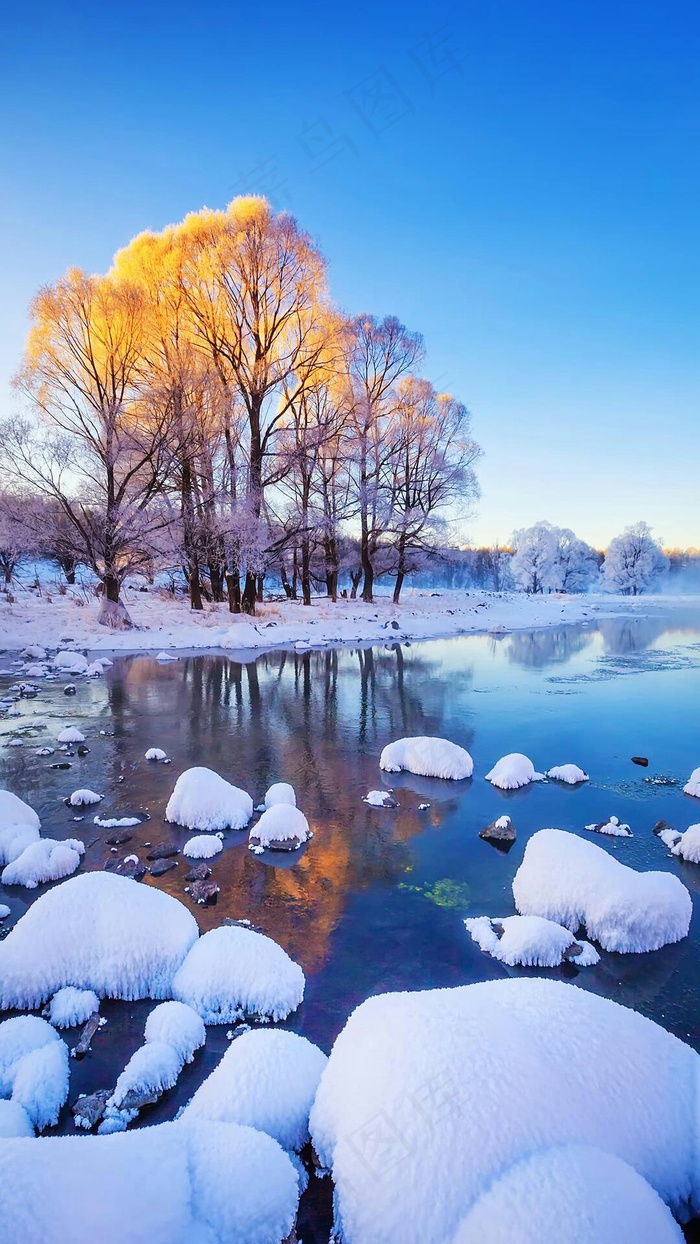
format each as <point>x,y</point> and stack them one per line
<point>130,866</point>
<point>163,851</point>
<point>199,873</point>
<point>162,866</point>
<point>640,760</point>
<point>205,892</point>
<point>118,839</point>
<point>83,750</point>
<point>60,764</point>
<point>70,689</point>
<point>89,1109</point>
<point>500,833</point>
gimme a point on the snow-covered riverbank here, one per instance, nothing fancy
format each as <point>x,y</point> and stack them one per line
<point>163,624</point>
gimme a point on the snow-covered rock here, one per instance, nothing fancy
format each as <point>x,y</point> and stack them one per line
<point>15,839</point>
<point>33,1068</point>
<point>529,941</point>
<point>613,827</point>
<point>35,652</point>
<point>429,1097</point>
<point>70,662</point>
<point>203,800</point>
<point>501,832</point>
<point>152,1069</point>
<point>155,753</point>
<point>688,845</point>
<point>266,1079</point>
<point>14,1120</point>
<point>280,792</point>
<point>572,1193</point>
<point>513,771</point>
<point>19,826</point>
<point>4,911</point>
<point>427,757</point>
<point>83,798</point>
<point>116,822</point>
<point>380,799</point>
<point>70,1007</point>
<point>232,972</point>
<point>166,656</point>
<point>281,827</point>
<point>570,774</point>
<point>566,879</point>
<point>97,931</point>
<point>175,1183</point>
<point>692,786</point>
<point>70,734</point>
<point>203,847</point>
<point>45,860</point>
<point>178,1025</point>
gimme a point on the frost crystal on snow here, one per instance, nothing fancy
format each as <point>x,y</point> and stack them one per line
<point>427,757</point>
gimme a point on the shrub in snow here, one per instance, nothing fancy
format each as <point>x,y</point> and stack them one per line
<point>70,734</point>
<point>169,1184</point>
<point>70,1007</point>
<point>155,753</point>
<point>203,800</point>
<point>45,860</point>
<point>14,1120</point>
<point>266,1079</point>
<point>428,1097</point>
<point>569,1192</point>
<point>83,798</point>
<point>570,774</point>
<point>513,771</point>
<point>613,827</point>
<point>281,828</point>
<point>427,757</point>
<point>203,847</point>
<point>232,972</point>
<point>576,883</point>
<point>280,792</point>
<point>70,662</point>
<point>177,1025</point>
<point>150,1071</point>
<point>97,931</point>
<point>688,845</point>
<point>529,941</point>
<point>692,786</point>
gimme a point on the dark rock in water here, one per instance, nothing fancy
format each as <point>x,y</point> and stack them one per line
<point>89,1109</point>
<point>163,851</point>
<point>280,844</point>
<point>199,873</point>
<point>161,866</point>
<point>573,951</point>
<point>662,826</point>
<point>205,892</point>
<point>500,833</point>
<point>238,924</point>
<point>60,764</point>
<point>128,866</point>
<point>640,760</point>
<point>668,835</point>
<point>83,750</point>
<point>118,839</point>
<point>138,1097</point>
<point>81,1049</point>
<point>70,689</point>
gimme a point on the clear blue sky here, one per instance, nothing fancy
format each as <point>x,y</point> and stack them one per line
<point>517,179</point>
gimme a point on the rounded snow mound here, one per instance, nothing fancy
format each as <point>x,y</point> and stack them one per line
<point>42,861</point>
<point>70,734</point>
<point>14,1120</point>
<point>33,1068</point>
<point>267,1080</point>
<point>19,826</point>
<point>574,882</point>
<point>97,931</point>
<point>380,799</point>
<point>70,662</point>
<point>152,1069</point>
<point>570,774</point>
<point>178,1025</point>
<point>529,941</point>
<point>167,1184</point>
<point>203,847</point>
<point>280,792</point>
<point>155,753</point>
<point>83,798</point>
<point>15,839</point>
<point>203,800</point>
<point>513,771</point>
<point>688,845</point>
<point>569,1193</point>
<point>427,757</point>
<point>428,1097</point>
<point>281,828</point>
<point>70,1007</point>
<point>232,972</point>
<point>692,786</point>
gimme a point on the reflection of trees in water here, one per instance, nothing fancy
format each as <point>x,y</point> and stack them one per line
<point>549,646</point>
<point>625,635</point>
<point>318,720</point>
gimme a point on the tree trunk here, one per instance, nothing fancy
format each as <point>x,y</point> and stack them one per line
<point>305,572</point>
<point>259,589</point>
<point>285,581</point>
<point>233,585</point>
<point>249,594</point>
<point>112,612</point>
<point>355,580</point>
<point>368,571</point>
<point>398,585</point>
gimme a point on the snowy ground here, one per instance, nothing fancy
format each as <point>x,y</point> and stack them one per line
<point>163,623</point>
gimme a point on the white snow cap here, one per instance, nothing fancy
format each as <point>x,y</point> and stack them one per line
<point>571,1193</point>
<point>427,757</point>
<point>613,827</point>
<point>19,826</point>
<point>266,1079</point>
<point>203,800</point>
<point>379,799</point>
<point>70,734</point>
<point>513,771</point>
<point>528,941</point>
<point>14,1120</point>
<point>280,823</point>
<point>175,1183</point>
<point>152,1068</point>
<point>71,1006</point>
<point>97,931</point>
<point>231,972</point>
<point>33,1068</point>
<point>692,786</point>
<point>570,774</point>
<point>155,753</point>
<point>4,911</point>
<point>429,1097</point>
<point>280,792</point>
<point>70,662</point>
<point>564,878</point>
<point>203,847</point>
<point>177,1025</point>
<point>45,860</point>
<point>688,845</point>
<point>83,798</point>
<point>166,656</point>
<point>15,839</point>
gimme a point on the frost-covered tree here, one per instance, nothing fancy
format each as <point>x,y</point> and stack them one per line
<point>533,565</point>
<point>633,562</point>
<point>576,564</point>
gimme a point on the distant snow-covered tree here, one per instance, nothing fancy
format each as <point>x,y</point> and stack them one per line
<point>576,562</point>
<point>633,561</point>
<point>533,565</point>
